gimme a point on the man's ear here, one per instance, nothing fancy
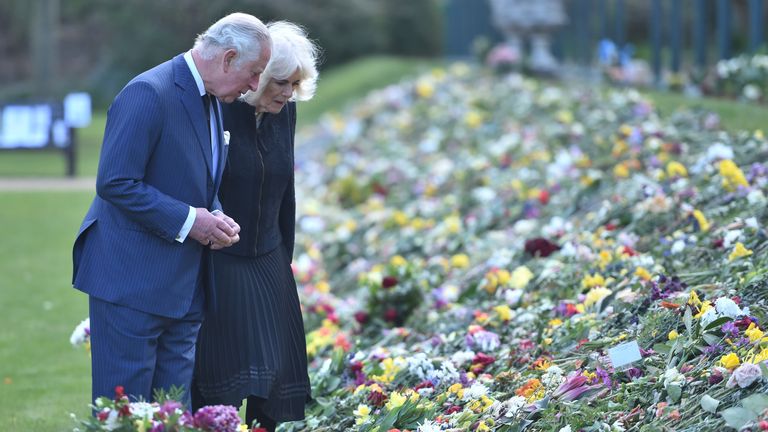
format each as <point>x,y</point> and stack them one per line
<point>228,59</point>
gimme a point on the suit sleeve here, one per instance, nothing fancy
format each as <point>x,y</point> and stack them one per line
<point>288,206</point>
<point>134,126</point>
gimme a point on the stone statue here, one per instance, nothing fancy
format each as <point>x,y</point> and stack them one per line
<point>536,19</point>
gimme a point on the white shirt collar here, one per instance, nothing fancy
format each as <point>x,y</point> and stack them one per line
<point>195,73</point>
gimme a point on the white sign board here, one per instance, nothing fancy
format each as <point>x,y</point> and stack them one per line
<point>25,126</point>
<point>77,109</point>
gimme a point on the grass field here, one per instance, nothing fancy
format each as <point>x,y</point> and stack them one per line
<point>43,377</point>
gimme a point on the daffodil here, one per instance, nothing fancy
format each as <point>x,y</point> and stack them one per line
<point>730,361</point>
<point>753,333</point>
<point>739,251</point>
<point>396,400</point>
<point>676,169</point>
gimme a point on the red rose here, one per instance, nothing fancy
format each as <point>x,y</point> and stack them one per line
<point>388,282</point>
<point>361,317</point>
<point>540,247</point>
<point>390,315</point>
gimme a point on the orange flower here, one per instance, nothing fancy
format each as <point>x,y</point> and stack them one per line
<point>527,389</point>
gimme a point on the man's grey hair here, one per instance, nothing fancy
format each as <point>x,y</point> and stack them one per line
<point>291,50</point>
<point>244,33</point>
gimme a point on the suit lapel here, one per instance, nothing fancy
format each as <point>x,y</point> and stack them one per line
<point>193,105</point>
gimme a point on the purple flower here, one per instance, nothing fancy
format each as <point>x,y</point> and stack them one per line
<point>573,387</point>
<point>634,373</point>
<point>217,418</point>
<point>730,329</point>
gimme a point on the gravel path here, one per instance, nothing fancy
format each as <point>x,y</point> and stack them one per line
<point>47,184</point>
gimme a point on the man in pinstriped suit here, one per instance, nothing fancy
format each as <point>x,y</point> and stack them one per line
<point>141,254</point>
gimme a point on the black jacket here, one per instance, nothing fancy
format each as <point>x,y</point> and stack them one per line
<point>257,186</point>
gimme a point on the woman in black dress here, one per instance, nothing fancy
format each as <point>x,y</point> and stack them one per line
<point>251,344</point>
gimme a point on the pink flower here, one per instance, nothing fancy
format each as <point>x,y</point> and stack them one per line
<point>744,375</point>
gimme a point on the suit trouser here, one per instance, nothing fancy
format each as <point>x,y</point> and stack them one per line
<point>141,351</point>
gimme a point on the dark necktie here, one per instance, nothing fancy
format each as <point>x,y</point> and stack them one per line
<point>207,105</point>
<point>207,102</point>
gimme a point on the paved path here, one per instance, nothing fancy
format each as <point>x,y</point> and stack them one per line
<point>47,184</point>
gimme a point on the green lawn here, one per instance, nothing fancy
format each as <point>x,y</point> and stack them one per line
<point>43,377</point>
<point>733,115</point>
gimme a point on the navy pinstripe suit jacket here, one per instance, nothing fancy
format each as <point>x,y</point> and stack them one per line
<point>155,162</point>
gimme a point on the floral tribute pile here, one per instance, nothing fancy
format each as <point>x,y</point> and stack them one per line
<point>472,247</point>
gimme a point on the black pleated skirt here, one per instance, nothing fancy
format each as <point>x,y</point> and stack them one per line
<point>253,343</point>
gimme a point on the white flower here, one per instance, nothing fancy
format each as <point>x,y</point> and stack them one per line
<point>730,238</point>
<point>509,407</point>
<point>144,410</point>
<point>565,429</point>
<point>476,391</point>
<point>111,423</point>
<point>756,196</point>
<point>744,375</point>
<point>226,138</point>
<point>727,307</point>
<point>429,426</point>
<point>673,377</point>
<point>462,357</point>
<point>81,333</point>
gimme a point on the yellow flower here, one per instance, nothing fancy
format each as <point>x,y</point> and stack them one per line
<point>504,276</point>
<point>505,313</point>
<point>473,119</point>
<point>730,361</point>
<point>759,134</point>
<point>455,388</point>
<point>557,322</point>
<point>491,282</point>
<point>703,307</point>
<point>482,427</point>
<point>362,413</point>
<point>396,400</point>
<point>460,261</point>
<point>761,357</point>
<point>703,223</point>
<point>590,281</point>
<point>564,116</point>
<point>673,335</point>
<point>621,170</point>
<point>140,426</point>
<point>642,273</point>
<point>595,295</point>
<point>676,169</point>
<point>733,177</point>
<point>619,148</point>
<point>625,129</point>
<point>424,88</point>
<point>693,299</point>
<point>398,261</point>
<point>520,277</point>
<point>400,218</point>
<point>753,333</point>
<point>605,258</point>
<point>243,428</point>
<point>739,251</point>
<point>323,287</point>
<point>453,224</point>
